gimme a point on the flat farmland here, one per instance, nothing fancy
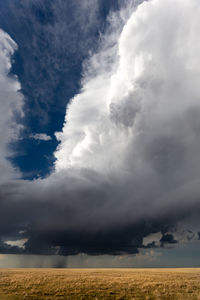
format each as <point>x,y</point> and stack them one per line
<point>99,284</point>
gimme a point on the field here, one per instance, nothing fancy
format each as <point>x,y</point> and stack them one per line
<point>99,284</point>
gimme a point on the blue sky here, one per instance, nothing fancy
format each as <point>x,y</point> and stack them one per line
<point>99,131</point>
<point>49,67</point>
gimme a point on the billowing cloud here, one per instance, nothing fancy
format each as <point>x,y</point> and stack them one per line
<point>11,102</point>
<point>127,164</point>
<point>135,123</point>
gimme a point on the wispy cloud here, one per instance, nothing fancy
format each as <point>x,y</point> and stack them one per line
<point>41,137</point>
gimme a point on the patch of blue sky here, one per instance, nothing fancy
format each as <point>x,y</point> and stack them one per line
<point>53,41</point>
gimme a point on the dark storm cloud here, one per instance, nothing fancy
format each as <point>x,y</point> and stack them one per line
<point>127,165</point>
<point>168,238</point>
<point>78,216</point>
<point>7,249</point>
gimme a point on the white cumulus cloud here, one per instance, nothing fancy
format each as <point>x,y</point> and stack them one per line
<point>137,116</point>
<point>11,102</point>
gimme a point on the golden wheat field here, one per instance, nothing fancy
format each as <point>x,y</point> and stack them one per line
<point>99,284</point>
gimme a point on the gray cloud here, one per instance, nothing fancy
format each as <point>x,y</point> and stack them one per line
<point>127,163</point>
<point>40,137</point>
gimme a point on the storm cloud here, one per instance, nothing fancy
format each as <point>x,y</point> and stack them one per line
<point>127,165</point>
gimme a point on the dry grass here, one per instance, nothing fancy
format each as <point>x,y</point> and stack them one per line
<point>100,284</point>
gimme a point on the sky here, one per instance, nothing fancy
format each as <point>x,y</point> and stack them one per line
<point>99,133</point>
